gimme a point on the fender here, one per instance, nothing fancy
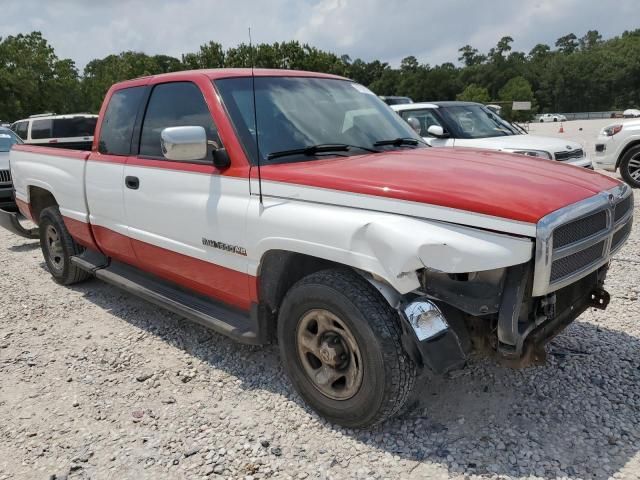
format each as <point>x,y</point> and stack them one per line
<point>389,246</point>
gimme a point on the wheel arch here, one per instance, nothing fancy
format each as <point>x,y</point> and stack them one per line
<point>627,147</point>
<point>39,199</point>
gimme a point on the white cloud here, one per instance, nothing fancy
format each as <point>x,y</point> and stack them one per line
<point>431,30</point>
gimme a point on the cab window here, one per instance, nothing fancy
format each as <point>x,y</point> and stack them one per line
<point>421,120</point>
<point>176,104</point>
<point>118,122</point>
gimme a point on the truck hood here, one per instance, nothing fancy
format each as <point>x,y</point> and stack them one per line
<point>507,186</point>
<point>517,142</point>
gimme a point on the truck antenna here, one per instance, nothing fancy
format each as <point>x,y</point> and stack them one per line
<point>255,116</point>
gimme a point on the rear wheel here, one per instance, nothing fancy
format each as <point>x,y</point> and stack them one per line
<point>630,167</point>
<point>58,247</point>
<point>340,344</point>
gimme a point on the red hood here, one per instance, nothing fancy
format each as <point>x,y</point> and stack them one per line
<point>502,185</point>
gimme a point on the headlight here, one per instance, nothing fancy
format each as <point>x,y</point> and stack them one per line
<point>534,153</point>
<point>612,130</point>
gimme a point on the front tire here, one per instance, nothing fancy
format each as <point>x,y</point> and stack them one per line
<point>630,167</point>
<point>58,247</point>
<point>340,343</point>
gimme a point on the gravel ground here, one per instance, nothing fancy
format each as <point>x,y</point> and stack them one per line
<point>584,132</point>
<point>95,383</point>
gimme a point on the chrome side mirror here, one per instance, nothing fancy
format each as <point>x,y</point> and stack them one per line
<point>437,131</point>
<point>184,143</point>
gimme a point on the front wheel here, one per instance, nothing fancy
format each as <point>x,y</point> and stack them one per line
<point>340,344</point>
<point>58,247</point>
<point>630,167</point>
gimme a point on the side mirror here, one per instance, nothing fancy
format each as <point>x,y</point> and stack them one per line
<point>437,131</point>
<point>184,144</point>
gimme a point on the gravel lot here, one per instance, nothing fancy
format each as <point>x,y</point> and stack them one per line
<point>95,383</point>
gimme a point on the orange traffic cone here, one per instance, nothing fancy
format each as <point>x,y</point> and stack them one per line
<point>561,129</point>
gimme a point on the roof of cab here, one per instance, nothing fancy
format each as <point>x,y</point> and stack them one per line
<point>217,73</point>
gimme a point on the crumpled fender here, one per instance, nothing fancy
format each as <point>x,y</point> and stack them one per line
<point>404,245</point>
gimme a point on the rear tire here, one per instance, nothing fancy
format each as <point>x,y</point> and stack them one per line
<point>58,247</point>
<point>340,343</point>
<point>630,167</point>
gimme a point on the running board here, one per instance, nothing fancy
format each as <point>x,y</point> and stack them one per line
<point>214,315</point>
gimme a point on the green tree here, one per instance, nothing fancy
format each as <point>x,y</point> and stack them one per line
<point>474,93</point>
<point>517,89</point>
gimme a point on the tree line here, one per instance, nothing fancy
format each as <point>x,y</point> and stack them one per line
<point>584,73</point>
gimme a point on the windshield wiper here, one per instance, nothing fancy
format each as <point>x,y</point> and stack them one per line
<point>398,142</point>
<point>315,149</point>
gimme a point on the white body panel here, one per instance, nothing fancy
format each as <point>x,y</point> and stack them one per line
<point>105,198</point>
<point>615,145</point>
<point>4,160</point>
<point>62,176</point>
<point>175,210</point>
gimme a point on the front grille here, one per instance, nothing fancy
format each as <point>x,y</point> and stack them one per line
<point>5,176</point>
<point>570,264</point>
<point>580,229</point>
<point>620,236</point>
<point>568,155</point>
<point>622,208</point>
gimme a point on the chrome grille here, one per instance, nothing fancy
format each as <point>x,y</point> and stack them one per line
<point>5,176</point>
<point>568,155</point>
<point>580,229</point>
<point>572,263</point>
<point>576,240</point>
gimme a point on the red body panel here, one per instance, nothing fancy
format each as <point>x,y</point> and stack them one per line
<point>492,183</point>
<point>81,232</point>
<point>25,209</point>
<point>51,151</point>
<point>223,284</point>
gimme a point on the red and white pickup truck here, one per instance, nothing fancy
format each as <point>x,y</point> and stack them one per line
<point>367,255</point>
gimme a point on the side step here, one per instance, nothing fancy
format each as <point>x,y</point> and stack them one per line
<point>225,320</point>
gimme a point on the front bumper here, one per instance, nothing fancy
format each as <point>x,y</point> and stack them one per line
<point>583,162</point>
<point>606,154</point>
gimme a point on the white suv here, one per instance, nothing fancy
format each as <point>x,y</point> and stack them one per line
<point>468,124</point>
<point>73,131</point>
<point>618,147</point>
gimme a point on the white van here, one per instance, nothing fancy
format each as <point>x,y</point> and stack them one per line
<point>64,131</point>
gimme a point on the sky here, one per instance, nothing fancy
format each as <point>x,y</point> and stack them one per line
<point>432,31</point>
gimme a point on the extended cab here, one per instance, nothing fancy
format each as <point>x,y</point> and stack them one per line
<point>318,219</point>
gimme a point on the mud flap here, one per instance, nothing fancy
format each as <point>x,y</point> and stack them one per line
<point>11,222</point>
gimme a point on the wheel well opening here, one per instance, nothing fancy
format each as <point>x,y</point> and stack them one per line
<point>39,199</point>
<point>280,270</point>
<point>635,143</point>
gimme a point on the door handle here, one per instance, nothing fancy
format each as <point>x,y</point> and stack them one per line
<point>132,182</point>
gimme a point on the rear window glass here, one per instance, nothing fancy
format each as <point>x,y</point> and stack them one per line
<point>118,122</point>
<point>41,129</point>
<point>73,127</point>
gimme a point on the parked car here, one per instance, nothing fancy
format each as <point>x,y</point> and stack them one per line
<point>618,147</point>
<point>631,113</point>
<point>7,140</point>
<point>316,217</point>
<point>468,124</point>
<point>551,117</point>
<point>64,131</point>
<point>396,100</point>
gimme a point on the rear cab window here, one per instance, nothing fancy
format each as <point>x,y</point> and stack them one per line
<point>119,119</point>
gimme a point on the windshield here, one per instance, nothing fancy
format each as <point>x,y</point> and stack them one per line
<point>295,113</point>
<point>7,139</point>
<point>475,121</point>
